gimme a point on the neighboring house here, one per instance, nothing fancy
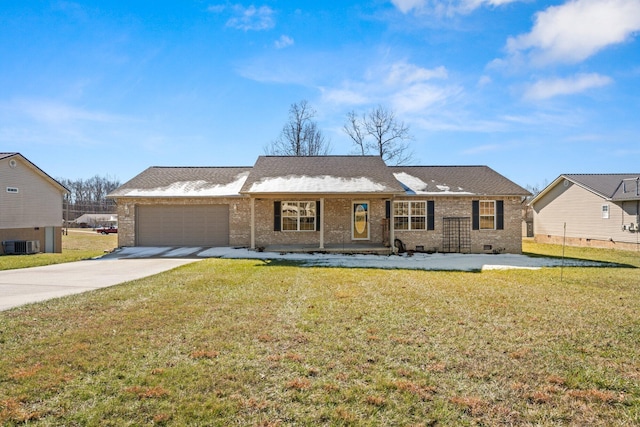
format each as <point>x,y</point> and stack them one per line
<point>30,204</point>
<point>323,203</point>
<point>601,210</point>
<point>96,220</point>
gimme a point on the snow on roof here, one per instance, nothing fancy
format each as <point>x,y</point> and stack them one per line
<point>197,188</point>
<point>316,184</point>
<point>414,186</point>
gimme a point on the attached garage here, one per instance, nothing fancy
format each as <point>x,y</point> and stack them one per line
<point>182,225</point>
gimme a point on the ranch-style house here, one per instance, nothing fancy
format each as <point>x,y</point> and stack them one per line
<point>323,204</point>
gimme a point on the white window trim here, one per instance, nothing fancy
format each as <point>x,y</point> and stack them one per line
<point>606,211</point>
<point>493,202</point>
<point>410,215</point>
<point>297,202</point>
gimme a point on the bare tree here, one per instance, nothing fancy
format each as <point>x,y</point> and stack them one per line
<point>89,195</point>
<point>381,133</point>
<point>355,129</point>
<point>300,136</point>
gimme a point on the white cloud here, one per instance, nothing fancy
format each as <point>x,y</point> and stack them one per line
<point>283,41</point>
<point>445,7</point>
<point>419,97</point>
<point>406,87</point>
<point>576,30</point>
<point>402,72</point>
<point>344,96</point>
<point>407,5</point>
<point>545,89</point>
<point>251,18</point>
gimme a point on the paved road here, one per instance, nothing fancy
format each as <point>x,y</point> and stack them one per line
<point>28,285</point>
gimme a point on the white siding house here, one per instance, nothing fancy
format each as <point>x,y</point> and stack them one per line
<point>30,204</point>
<point>600,210</point>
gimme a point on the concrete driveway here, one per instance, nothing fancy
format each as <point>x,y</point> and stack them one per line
<point>28,285</point>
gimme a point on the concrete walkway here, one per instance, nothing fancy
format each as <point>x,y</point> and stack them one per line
<point>28,285</point>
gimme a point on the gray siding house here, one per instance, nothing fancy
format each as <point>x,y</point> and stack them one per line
<point>599,210</point>
<point>323,203</point>
<point>30,204</point>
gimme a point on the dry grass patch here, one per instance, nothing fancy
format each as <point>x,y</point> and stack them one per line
<point>252,343</point>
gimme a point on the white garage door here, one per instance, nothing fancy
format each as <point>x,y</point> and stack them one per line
<point>182,225</point>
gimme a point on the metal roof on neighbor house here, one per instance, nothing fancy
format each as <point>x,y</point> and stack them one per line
<point>456,180</point>
<point>321,174</point>
<point>184,182</point>
<point>614,186</point>
<point>609,186</point>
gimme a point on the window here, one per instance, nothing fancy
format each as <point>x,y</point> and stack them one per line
<point>298,216</point>
<point>409,215</point>
<point>487,215</point>
<point>605,211</point>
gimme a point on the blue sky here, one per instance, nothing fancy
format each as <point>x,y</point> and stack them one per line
<point>530,88</point>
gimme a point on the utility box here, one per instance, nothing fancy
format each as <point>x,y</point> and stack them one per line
<point>21,247</point>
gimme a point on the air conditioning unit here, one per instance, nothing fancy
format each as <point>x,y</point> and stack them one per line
<point>21,247</point>
<point>633,227</point>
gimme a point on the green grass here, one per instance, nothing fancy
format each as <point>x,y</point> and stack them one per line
<point>77,245</point>
<point>233,342</point>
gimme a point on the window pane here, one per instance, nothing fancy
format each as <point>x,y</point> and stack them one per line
<point>487,208</point>
<point>418,208</point>
<point>401,223</point>
<point>486,223</point>
<point>308,209</point>
<point>289,209</point>
<point>307,224</point>
<point>401,208</point>
<point>418,223</point>
<point>289,224</point>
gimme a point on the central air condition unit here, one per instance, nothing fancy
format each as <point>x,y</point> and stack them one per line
<point>21,247</point>
<point>633,227</point>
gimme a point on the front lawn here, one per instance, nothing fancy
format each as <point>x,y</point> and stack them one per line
<point>79,244</point>
<point>235,342</point>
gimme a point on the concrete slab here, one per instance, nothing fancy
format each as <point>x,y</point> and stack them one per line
<point>28,285</point>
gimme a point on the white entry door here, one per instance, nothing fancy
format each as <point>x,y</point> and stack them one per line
<point>360,220</point>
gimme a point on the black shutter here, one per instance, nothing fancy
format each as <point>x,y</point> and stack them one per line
<point>318,215</point>
<point>475,214</point>
<point>387,209</point>
<point>431,223</point>
<point>500,215</point>
<point>277,213</point>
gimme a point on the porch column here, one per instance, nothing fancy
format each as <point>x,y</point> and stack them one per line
<point>392,234</point>
<point>253,223</point>
<point>322,223</point>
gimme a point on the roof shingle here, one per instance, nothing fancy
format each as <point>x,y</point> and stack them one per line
<point>321,174</point>
<point>456,180</point>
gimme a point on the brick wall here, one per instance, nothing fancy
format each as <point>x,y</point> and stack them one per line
<point>508,240</point>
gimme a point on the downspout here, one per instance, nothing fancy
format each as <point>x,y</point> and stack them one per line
<point>253,226</point>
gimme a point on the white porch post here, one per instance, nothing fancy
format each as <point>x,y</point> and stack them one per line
<point>253,223</point>
<point>322,223</point>
<point>392,234</point>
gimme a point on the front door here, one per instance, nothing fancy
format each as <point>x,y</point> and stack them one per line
<point>360,220</point>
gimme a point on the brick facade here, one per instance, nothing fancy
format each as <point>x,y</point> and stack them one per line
<point>338,224</point>
<point>508,240</point>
